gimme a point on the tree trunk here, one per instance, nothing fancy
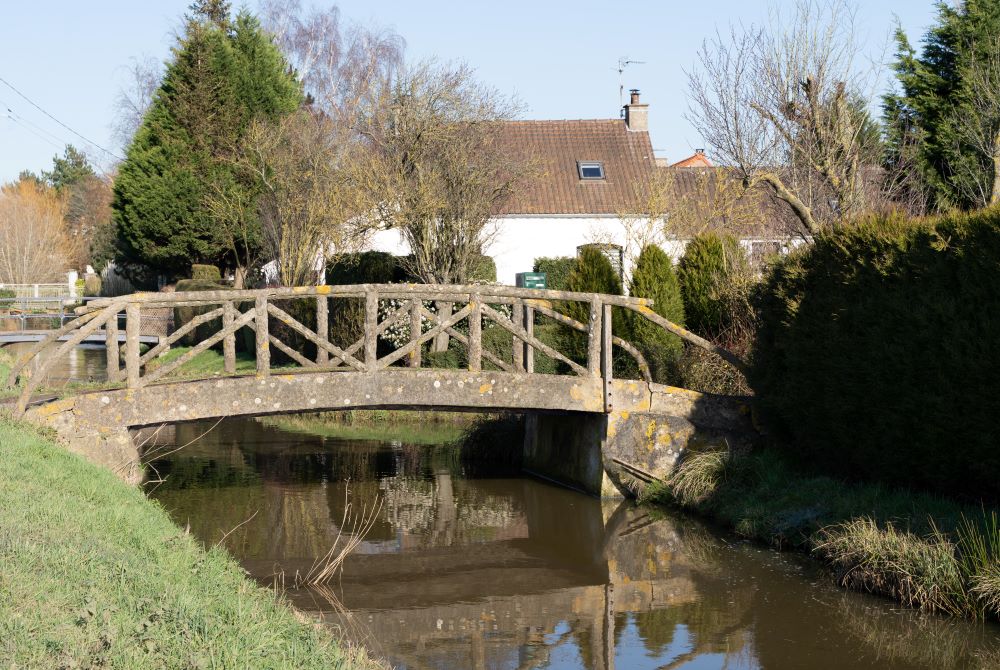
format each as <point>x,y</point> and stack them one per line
<point>800,208</point>
<point>995,194</point>
<point>239,277</point>
<point>444,311</point>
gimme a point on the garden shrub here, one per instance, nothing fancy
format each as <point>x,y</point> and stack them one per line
<point>92,285</point>
<point>653,277</point>
<point>7,297</point>
<point>184,314</point>
<point>705,270</point>
<point>877,355</point>
<point>205,273</point>
<point>557,270</point>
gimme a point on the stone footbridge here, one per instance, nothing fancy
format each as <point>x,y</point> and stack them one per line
<point>585,428</point>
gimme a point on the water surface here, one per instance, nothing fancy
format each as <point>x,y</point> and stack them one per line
<point>472,566</point>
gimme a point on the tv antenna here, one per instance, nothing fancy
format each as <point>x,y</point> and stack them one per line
<point>623,63</point>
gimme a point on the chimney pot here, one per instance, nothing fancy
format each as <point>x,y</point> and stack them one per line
<point>634,96</point>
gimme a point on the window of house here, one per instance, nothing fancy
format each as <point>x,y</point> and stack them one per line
<point>590,169</point>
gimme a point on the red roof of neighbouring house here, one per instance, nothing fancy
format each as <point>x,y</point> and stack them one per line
<point>697,159</point>
<point>557,146</point>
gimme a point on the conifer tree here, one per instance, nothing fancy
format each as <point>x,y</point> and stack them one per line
<point>653,277</point>
<point>221,77</point>
<point>704,272</point>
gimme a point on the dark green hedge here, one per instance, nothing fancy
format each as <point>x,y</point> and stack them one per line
<point>877,352</point>
<point>557,270</point>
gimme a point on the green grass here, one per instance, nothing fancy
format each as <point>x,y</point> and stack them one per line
<point>94,574</point>
<point>412,427</point>
<point>205,364</point>
<point>925,551</point>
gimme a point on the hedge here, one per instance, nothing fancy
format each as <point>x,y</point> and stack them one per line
<point>877,352</point>
<point>557,270</point>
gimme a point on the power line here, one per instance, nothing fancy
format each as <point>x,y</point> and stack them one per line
<point>36,106</point>
<point>17,118</point>
<point>36,134</point>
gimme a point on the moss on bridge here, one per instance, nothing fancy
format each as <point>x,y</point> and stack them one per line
<point>94,574</point>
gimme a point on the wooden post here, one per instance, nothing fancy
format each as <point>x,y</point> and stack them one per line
<point>517,318</point>
<point>606,356</point>
<point>476,334</point>
<point>111,349</point>
<point>229,341</point>
<point>371,328</point>
<point>415,330</point>
<point>322,328</point>
<point>132,316</point>
<point>263,345</point>
<point>529,351</point>
<point>594,335</point>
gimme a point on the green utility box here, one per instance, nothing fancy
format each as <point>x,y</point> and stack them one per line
<point>530,280</point>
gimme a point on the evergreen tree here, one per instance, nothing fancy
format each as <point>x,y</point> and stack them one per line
<point>592,273</point>
<point>653,277</point>
<point>219,80</point>
<point>935,104</point>
<point>705,271</point>
<point>68,170</point>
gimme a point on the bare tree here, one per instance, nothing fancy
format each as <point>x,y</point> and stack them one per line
<point>339,63</point>
<point>135,97</point>
<point>785,106</point>
<point>436,167</point>
<point>35,245</point>
<point>306,207</point>
<point>979,126</point>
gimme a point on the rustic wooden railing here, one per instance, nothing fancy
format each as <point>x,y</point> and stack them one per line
<point>405,304</point>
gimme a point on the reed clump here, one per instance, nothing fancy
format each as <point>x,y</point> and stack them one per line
<point>927,552</point>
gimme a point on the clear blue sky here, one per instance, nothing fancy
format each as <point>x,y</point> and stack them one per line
<point>559,58</point>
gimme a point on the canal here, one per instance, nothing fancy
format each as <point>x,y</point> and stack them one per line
<point>466,563</point>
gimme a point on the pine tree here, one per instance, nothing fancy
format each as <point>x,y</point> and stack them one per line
<point>69,169</point>
<point>934,103</point>
<point>653,277</point>
<point>708,263</point>
<point>218,81</point>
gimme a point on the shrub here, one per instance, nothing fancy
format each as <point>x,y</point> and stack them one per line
<point>184,314</point>
<point>557,271</point>
<point>707,268</point>
<point>92,285</point>
<point>205,273</point>
<point>7,296</point>
<point>877,352</point>
<point>484,271</point>
<point>653,277</point>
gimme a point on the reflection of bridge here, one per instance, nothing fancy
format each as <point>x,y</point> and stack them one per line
<point>322,374</point>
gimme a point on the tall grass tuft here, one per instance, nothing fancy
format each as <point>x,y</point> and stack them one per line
<point>698,476</point>
<point>979,559</point>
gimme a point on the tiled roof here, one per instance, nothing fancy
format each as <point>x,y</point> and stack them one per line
<point>695,160</point>
<point>556,146</point>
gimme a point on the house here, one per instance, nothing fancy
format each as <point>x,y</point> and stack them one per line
<point>588,174</point>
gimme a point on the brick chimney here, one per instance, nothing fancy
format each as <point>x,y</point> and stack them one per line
<point>636,114</point>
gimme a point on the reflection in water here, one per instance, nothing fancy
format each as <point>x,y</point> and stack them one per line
<point>501,571</point>
<point>84,363</point>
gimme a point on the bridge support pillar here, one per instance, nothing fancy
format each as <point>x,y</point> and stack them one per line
<point>566,448</point>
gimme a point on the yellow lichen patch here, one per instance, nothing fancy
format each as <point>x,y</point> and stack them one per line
<point>651,428</point>
<point>323,290</point>
<point>54,407</point>
<point>624,415</point>
<point>485,388</point>
<point>575,393</point>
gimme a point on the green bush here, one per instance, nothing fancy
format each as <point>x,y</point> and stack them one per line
<point>653,277</point>
<point>557,271</point>
<point>7,296</point>
<point>708,265</point>
<point>184,314</point>
<point>484,271</point>
<point>877,352</point>
<point>205,273</point>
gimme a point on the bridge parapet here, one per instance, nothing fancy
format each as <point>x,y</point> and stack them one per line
<point>461,313</point>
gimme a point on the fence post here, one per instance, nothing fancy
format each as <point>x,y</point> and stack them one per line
<point>371,326</point>
<point>322,328</point>
<point>132,316</point>
<point>415,330</point>
<point>529,351</point>
<point>229,341</point>
<point>476,334</point>
<point>594,335</point>
<point>517,318</point>
<point>606,356</point>
<point>263,345</point>
<point>111,349</point>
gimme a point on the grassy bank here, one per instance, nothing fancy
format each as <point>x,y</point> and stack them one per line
<point>411,426</point>
<point>926,552</point>
<point>93,574</point>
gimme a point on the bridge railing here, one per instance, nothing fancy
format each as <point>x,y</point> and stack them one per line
<point>461,312</point>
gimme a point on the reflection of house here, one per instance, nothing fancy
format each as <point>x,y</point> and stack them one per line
<point>588,172</point>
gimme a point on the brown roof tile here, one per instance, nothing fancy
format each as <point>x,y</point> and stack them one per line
<point>556,146</point>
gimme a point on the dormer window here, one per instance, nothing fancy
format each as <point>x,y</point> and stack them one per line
<point>590,169</point>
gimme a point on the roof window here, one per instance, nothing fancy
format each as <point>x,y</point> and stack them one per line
<point>590,169</point>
